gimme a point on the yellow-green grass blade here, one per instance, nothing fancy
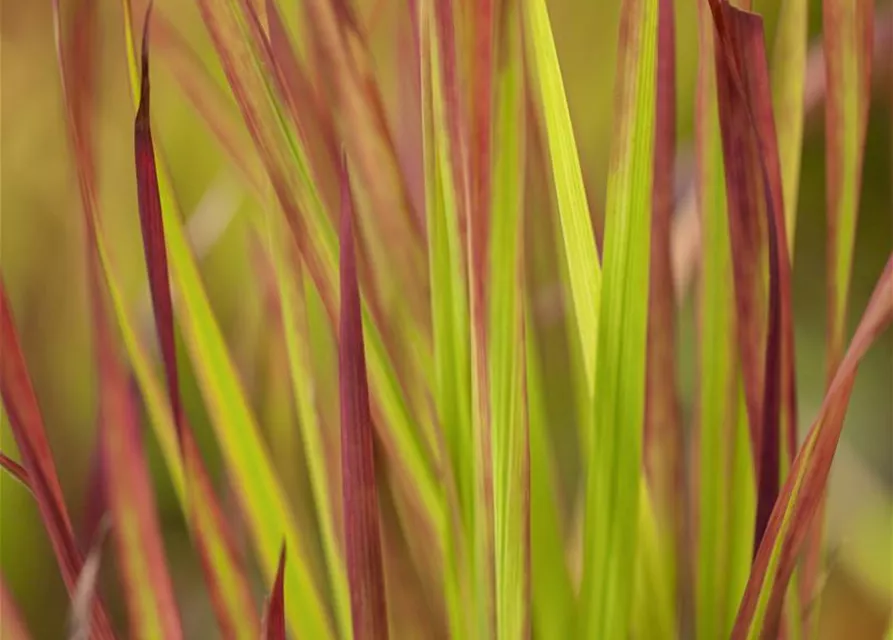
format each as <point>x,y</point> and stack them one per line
<point>725,476</point>
<point>553,600</point>
<point>262,498</point>
<point>506,355</point>
<point>281,150</point>
<point>788,82</point>
<point>450,331</point>
<point>584,270</point>
<point>289,284</point>
<point>614,465</point>
<point>654,615</point>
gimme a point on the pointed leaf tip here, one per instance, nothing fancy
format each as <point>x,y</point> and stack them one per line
<point>274,616</point>
<point>152,227</point>
<point>365,568</point>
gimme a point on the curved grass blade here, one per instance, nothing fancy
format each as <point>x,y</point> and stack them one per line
<point>262,499</point>
<point>16,470</point>
<point>317,240</point>
<point>583,265</point>
<point>273,627</point>
<point>127,488</point>
<point>615,455</point>
<point>12,623</point>
<point>510,450</point>
<point>362,535</point>
<point>152,226</point>
<point>27,428</point>
<point>753,180</point>
<point>230,593</point>
<point>760,611</point>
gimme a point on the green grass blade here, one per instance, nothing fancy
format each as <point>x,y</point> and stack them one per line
<point>298,342</point>
<point>725,471</point>
<point>508,407</point>
<point>262,498</point>
<point>451,335</point>
<point>552,593</point>
<point>788,82</point>
<point>614,472</point>
<point>583,265</point>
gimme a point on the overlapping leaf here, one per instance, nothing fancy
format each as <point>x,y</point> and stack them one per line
<point>760,611</point>
<point>615,455</point>
<point>362,534</point>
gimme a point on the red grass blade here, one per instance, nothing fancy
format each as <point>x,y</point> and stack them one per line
<point>15,470</point>
<point>27,428</point>
<point>365,569</point>
<point>799,499</point>
<point>273,626</point>
<point>152,227</point>
<point>847,36</point>
<point>211,532</point>
<point>12,624</point>
<point>753,178</point>
<point>663,444</point>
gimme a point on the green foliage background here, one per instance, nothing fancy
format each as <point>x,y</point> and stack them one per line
<point>42,262</point>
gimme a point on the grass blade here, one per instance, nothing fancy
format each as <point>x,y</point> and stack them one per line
<point>260,495</point>
<point>12,624</point>
<point>230,593</point>
<point>663,437</point>
<point>466,540</point>
<point>760,611</point>
<point>152,226</point>
<point>27,428</point>
<point>847,36</point>
<point>788,83</point>
<point>753,180</point>
<point>127,485</point>
<point>274,617</point>
<point>725,479</point>
<point>510,449</point>
<point>613,475</point>
<point>579,239</point>
<point>365,569</point>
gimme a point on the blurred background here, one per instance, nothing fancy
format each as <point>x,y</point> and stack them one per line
<point>41,259</point>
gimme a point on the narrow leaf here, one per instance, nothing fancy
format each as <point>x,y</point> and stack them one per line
<point>27,428</point>
<point>230,592</point>
<point>753,180</point>
<point>760,611</point>
<point>663,437</point>
<point>847,37</point>
<point>274,616</point>
<point>261,497</point>
<point>152,226</point>
<point>579,240</point>
<point>615,449</point>
<point>365,569</point>
<point>510,448</point>
<point>788,84</point>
